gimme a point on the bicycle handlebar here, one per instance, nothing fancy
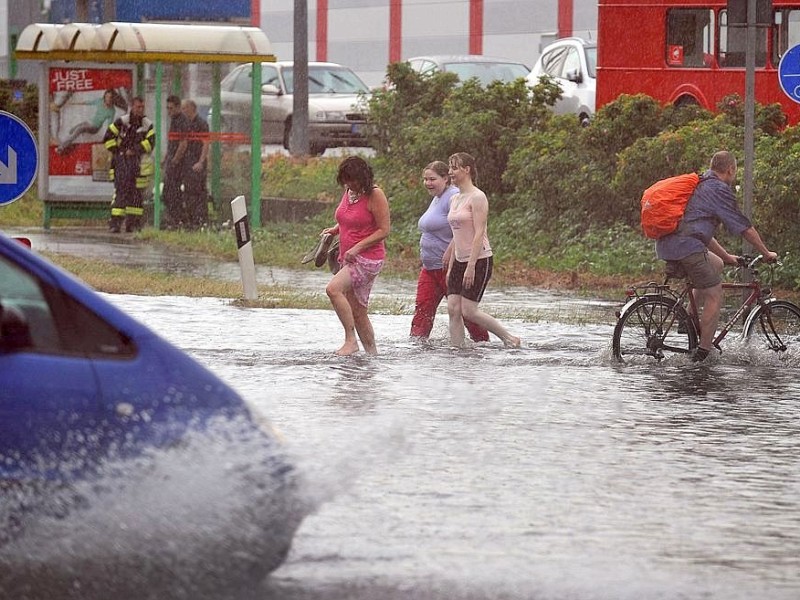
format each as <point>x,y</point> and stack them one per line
<point>750,262</point>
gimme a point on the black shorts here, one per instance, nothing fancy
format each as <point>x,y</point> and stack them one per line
<point>483,273</point>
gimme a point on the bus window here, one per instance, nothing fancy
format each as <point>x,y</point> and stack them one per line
<point>690,37</point>
<point>733,44</point>
<point>786,33</point>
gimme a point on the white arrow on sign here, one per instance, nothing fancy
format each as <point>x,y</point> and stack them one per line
<point>8,173</point>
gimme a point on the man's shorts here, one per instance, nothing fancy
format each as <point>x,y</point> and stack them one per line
<point>697,268</point>
<point>483,273</point>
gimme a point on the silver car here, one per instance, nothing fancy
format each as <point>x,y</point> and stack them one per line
<point>336,104</point>
<point>486,68</point>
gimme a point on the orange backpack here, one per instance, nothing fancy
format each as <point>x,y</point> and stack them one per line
<point>664,202</point>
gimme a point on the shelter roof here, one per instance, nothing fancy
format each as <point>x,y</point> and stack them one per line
<point>143,43</point>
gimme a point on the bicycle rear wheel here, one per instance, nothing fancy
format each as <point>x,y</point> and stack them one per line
<point>774,326</point>
<point>653,327</point>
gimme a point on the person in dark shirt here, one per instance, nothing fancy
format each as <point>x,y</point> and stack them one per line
<point>194,170</point>
<point>687,249</point>
<point>174,164</point>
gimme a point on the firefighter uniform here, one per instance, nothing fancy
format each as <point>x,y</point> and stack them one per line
<point>130,139</point>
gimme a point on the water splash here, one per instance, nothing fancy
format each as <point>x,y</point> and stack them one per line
<point>194,521</point>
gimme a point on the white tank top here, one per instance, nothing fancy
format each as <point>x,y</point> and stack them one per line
<point>463,225</point>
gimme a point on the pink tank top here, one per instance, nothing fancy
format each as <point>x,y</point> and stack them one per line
<point>356,223</point>
<point>463,225</point>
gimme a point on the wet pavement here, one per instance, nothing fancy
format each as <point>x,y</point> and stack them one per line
<point>124,249</point>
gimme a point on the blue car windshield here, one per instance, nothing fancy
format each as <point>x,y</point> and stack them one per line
<point>327,80</point>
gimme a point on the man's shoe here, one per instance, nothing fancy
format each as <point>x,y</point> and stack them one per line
<point>699,354</point>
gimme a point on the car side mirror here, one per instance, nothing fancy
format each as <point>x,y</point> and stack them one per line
<point>15,334</point>
<point>574,76</point>
<point>270,89</point>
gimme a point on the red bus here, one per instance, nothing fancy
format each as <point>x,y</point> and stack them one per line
<point>684,51</point>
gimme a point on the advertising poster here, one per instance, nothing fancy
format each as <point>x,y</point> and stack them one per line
<point>83,103</point>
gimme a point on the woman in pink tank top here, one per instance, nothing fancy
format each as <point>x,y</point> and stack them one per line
<point>470,266</point>
<point>362,223</point>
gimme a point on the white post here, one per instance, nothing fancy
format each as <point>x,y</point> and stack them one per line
<point>245,245</point>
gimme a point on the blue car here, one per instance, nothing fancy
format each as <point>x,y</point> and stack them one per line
<point>89,396</point>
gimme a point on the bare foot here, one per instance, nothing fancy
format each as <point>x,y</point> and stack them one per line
<point>512,342</point>
<point>347,349</point>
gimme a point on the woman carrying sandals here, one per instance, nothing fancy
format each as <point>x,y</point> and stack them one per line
<point>362,223</point>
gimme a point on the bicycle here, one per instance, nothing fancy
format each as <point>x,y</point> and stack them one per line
<point>658,321</point>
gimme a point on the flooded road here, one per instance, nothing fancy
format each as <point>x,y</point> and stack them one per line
<point>544,472</point>
<point>548,472</point>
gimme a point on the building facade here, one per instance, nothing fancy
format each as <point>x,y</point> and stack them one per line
<point>366,35</point>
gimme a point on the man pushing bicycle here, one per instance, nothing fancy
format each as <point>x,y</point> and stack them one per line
<point>687,249</point>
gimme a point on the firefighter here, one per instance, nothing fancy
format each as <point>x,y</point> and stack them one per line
<point>130,139</point>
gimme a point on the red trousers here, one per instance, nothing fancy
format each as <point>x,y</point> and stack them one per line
<point>431,288</point>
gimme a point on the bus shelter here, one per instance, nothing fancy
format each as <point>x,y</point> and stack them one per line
<point>83,61</point>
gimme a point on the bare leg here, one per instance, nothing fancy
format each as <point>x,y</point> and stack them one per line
<point>337,291</point>
<point>710,301</point>
<point>363,325</point>
<point>471,312</point>
<point>456,320</point>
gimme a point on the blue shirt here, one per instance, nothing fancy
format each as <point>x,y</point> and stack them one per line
<point>712,203</point>
<point>436,232</point>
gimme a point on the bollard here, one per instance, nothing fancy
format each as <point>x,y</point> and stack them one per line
<point>245,245</point>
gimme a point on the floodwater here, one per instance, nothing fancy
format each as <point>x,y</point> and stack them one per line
<point>547,472</point>
<point>544,472</point>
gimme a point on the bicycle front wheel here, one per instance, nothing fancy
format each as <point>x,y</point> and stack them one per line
<point>774,326</point>
<point>653,327</point>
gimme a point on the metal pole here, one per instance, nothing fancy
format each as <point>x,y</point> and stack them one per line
<point>749,113</point>
<point>298,142</point>
<point>157,149</point>
<point>216,145</point>
<point>255,149</point>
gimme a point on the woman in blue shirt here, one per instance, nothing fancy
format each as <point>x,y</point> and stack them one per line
<point>436,236</point>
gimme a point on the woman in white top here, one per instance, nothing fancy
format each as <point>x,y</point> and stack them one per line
<point>470,266</point>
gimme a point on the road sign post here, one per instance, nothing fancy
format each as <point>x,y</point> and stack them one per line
<point>19,158</point>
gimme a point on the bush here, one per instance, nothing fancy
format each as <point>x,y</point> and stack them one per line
<point>619,124</point>
<point>312,178</point>
<point>22,100</point>
<point>768,119</point>
<point>424,118</point>
<point>776,202</point>
<point>409,98</point>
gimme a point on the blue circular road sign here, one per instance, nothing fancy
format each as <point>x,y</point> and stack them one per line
<point>19,158</point>
<point>789,73</point>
